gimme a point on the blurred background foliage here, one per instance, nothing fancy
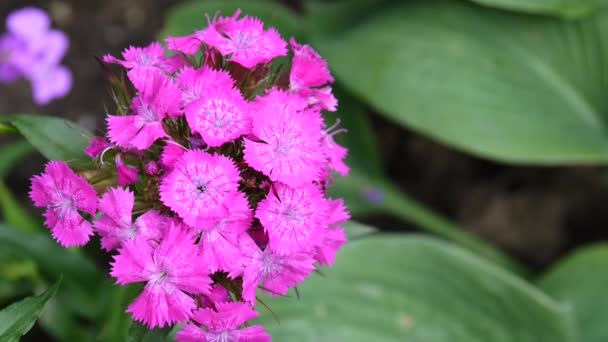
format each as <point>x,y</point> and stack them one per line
<point>485,106</point>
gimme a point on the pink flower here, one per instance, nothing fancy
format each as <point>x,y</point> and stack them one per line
<point>158,98</point>
<point>335,153</point>
<point>245,40</point>
<point>223,325</point>
<point>219,236</point>
<point>65,195</point>
<point>288,144</point>
<point>322,98</point>
<point>116,222</point>
<point>220,115</point>
<point>335,237</point>
<point>171,271</point>
<point>151,168</point>
<point>309,72</point>
<point>194,82</point>
<point>125,174</point>
<point>96,146</point>
<point>141,60</point>
<point>171,153</point>
<point>333,240</point>
<point>200,186</point>
<point>274,273</point>
<point>308,68</point>
<point>188,45</point>
<point>218,294</point>
<point>294,218</point>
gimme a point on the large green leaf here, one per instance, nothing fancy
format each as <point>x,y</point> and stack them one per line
<point>366,190</point>
<point>503,86</point>
<point>55,138</point>
<point>566,8</point>
<point>580,281</point>
<point>18,318</point>
<point>188,17</point>
<point>395,288</point>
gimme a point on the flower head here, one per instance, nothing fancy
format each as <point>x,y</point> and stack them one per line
<point>294,218</point>
<point>65,195</point>
<point>288,135</point>
<point>172,270</point>
<point>215,109</point>
<point>226,191</point>
<point>200,186</point>
<point>223,324</point>
<point>244,40</point>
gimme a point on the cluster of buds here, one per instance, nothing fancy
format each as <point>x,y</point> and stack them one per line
<point>30,49</point>
<point>211,181</point>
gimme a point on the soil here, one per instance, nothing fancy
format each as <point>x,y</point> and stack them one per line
<point>536,214</point>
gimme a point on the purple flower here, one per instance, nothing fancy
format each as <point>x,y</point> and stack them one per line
<point>32,50</point>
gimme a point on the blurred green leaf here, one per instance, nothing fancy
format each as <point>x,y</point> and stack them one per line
<point>63,324</point>
<point>355,230</point>
<point>323,17</point>
<point>580,281</point>
<point>13,213</point>
<point>55,138</point>
<point>52,259</point>
<point>395,288</point>
<point>366,190</point>
<point>184,19</point>
<point>13,153</point>
<point>566,8</point>
<point>18,318</point>
<point>503,86</point>
<point>118,324</point>
<point>365,195</point>
<point>140,333</point>
<point>364,151</point>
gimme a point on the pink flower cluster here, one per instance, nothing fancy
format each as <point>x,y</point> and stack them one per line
<point>212,181</point>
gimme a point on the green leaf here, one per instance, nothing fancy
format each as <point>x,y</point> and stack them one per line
<point>366,190</point>
<point>363,149</point>
<point>18,318</point>
<point>11,154</point>
<point>55,138</point>
<point>502,86</point>
<point>188,17</point>
<point>356,188</point>
<point>118,324</point>
<point>566,8</point>
<point>395,288</point>
<point>140,333</point>
<point>52,259</point>
<point>355,230</point>
<point>13,213</point>
<point>580,281</point>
